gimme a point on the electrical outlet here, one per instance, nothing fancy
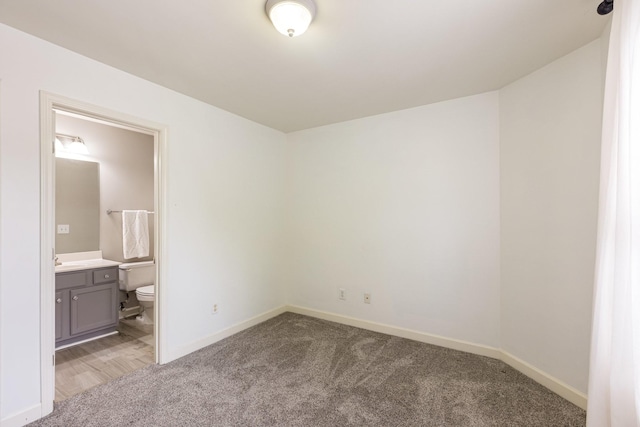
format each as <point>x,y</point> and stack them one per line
<point>342,294</point>
<point>63,228</point>
<point>214,309</point>
<point>367,298</point>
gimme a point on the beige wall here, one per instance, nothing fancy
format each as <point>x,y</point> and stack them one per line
<point>126,176</point>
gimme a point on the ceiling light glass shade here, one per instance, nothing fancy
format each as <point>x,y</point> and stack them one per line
<point>78,147</point>
<point>291,17</point>
<point>59,146</point>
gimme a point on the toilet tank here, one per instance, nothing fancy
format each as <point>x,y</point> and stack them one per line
<point>132,275</point>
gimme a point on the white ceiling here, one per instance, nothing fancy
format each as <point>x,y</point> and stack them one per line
<point>358,58</point>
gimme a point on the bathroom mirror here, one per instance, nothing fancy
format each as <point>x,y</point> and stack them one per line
<point>77,206</point>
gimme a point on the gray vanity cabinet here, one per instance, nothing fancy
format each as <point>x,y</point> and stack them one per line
<point>86,304</point>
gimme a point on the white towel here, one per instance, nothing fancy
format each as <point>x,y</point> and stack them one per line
<point>135,234</point>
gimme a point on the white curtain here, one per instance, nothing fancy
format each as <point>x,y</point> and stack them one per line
<point>614,379</point>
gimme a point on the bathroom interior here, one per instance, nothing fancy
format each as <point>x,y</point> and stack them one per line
<point>105,271</point>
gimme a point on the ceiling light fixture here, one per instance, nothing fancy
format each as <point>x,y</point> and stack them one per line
<point>291,17</point>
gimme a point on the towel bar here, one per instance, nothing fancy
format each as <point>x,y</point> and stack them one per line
<point>109,212</point>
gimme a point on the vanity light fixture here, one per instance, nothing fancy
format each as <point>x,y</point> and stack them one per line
<point>70,143</point>
<point>291,17</point>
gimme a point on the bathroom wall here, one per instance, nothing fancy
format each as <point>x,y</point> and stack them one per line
<point>126,161</point>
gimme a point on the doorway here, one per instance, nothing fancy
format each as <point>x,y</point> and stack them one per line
<point>67,112</point>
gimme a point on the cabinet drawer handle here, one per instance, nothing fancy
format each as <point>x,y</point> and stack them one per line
<point>59,300</point>
<point>75,298</point>
<point>106,276</point>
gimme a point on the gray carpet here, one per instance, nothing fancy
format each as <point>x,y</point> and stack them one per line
<point>295,370</point>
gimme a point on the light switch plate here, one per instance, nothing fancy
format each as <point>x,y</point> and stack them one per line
<point>63,228</point>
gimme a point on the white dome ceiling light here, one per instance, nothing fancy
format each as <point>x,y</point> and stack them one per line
<point>291,17</point>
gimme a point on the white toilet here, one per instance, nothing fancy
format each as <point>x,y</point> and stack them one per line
<point>141,277</point>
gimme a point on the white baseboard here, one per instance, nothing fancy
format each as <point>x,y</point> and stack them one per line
<point>555,385</point>
<point>411,334</point>
<point>564,390</point>
<point>234,329</point>
<point>23,418</point>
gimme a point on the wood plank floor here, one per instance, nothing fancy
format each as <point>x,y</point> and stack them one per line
<point>87,365</point>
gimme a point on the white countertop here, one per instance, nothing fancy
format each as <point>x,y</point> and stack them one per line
<point>83,261</point>
<point>85,265</point>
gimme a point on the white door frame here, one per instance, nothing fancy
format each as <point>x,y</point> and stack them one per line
<point>49,102</point>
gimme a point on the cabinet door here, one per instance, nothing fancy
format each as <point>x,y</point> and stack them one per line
<point>93,307</point>
<point>60,312</point>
